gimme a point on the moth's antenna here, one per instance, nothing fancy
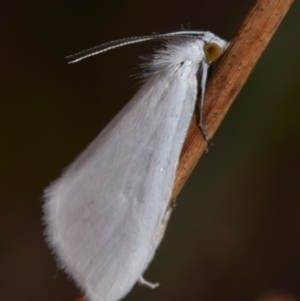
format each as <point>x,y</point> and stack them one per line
<point>127,41</point>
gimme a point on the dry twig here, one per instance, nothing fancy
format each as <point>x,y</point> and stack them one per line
<point>228,79</point>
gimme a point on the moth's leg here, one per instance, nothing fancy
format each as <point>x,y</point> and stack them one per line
<point>172,204</point>
<point>144,282</point>
<point>204,71</point>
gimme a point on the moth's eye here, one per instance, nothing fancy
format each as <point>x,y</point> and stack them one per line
<point>212,51</point>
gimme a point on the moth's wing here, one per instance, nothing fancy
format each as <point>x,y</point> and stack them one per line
<point>104,213</point>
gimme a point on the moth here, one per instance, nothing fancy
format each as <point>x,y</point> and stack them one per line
<point>106,214</point>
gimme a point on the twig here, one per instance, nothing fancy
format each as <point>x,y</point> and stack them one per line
<point>232,72</point>
<point>229,77</point>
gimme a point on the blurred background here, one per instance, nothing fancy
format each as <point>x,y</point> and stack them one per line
<point>235,233</point>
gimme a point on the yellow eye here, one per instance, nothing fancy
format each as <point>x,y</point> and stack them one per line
<point>212,51</point>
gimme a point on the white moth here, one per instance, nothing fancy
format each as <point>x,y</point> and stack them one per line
<point>106,214</point>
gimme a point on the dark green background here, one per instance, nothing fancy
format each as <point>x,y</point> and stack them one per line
<point>235,233</point>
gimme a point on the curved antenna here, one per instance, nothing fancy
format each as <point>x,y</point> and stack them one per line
<point>127,41</point>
